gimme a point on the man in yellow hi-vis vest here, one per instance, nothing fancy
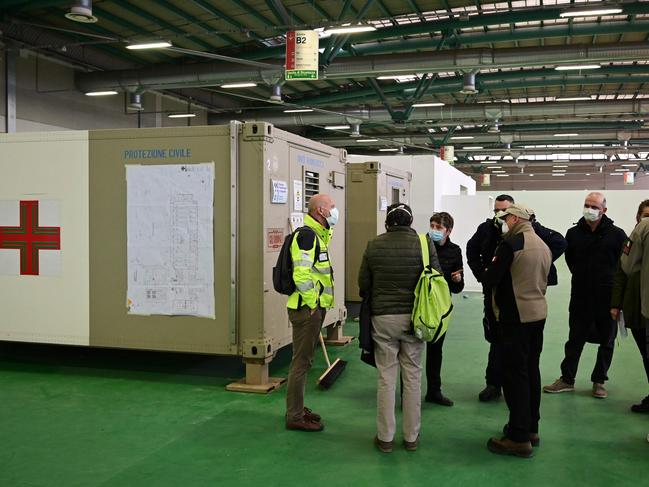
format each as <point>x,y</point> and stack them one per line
<point>307,306</point>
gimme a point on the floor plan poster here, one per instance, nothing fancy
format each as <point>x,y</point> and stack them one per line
<point>170,239</point>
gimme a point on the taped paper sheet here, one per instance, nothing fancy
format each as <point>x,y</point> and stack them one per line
<point>170,239</point>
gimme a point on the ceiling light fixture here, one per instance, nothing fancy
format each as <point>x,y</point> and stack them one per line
<point>149,45</point>
<point>391,149</point>
<point>502,175</point>
<point>477,147</point>
<point>396,77</point>
<point>432,104</point>
<point>181,115</point>
<point>350,29</point>
<point>367,140</point>
<point>81,11</point>
<point>101,93</point>
<point>591,11</point>
<point>463,137</point>
<point>574,98</point>
<point>630,165</point>
<point>566,135</point>
<point>298,110</point>
<point>577,67</point>
<point>498,172</point>
<point>559,165</point>
<point>336,127</point>
<point>558,174</point>
<point>556,171</point>
<point>247,84</point>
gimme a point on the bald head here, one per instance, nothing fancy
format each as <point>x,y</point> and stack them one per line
<point>320,206</point>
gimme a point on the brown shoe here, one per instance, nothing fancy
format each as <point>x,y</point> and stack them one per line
<point>384,446</point>
<point>535,439</point>
<point>559,386</point>
<point>599,391</point>
<point>505,446</point>
<point>311,416</point>
<point>411,445</point>
<point>304,425</point>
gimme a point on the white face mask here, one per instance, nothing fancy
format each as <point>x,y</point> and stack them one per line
<point>504,228</point>
<point>332,219</point>
<point>591,215</point>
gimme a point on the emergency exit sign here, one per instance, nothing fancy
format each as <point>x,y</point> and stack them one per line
<point>302,55</point>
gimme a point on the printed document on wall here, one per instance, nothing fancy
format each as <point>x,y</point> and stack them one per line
<point>170,239</point>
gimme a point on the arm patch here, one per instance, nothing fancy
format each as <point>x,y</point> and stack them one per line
<point>626,249</point>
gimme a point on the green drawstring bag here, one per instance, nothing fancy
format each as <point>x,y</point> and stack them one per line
<point>433,307</point>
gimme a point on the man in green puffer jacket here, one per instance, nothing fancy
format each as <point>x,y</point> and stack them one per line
<point>626,298</point>
<point>391,266</point>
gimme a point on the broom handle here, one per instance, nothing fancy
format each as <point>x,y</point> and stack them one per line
<point>324,349</point>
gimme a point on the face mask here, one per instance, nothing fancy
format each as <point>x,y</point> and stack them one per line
<point>591,215</point>
<point>332,219</point>
<point>497,222</point>
<point>504,228</point>
<point>436,235</point>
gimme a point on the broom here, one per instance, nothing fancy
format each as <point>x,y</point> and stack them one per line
<point>327,379</point>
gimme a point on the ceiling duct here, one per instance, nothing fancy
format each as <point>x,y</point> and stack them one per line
<point>135,102</point>
<point>81,11</point>
<point>470,60</point>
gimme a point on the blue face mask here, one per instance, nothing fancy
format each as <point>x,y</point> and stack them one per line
<point>436,235</point>
<point>332,219</point>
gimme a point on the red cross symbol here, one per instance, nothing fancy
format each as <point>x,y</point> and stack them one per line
<point>29,238</point>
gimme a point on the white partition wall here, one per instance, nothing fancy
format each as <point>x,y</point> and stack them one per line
<point>559,210</point>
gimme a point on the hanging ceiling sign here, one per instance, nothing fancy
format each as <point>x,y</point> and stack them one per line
<point>302,55</point>
<point>629,178</point>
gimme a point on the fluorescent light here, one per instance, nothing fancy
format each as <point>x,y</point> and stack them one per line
<point>617,173</point>
<point>406,77</point>
<point>181,115</point>
<point>498,172</point>
<point>468,147</point>
<point>298,110</point>
<point>622,170</point>
<point>558,174</point>
<point>502,175</point>
<point>587,174</point>
<point>462,137</point>
<point>577,67</point>
<point>566,135</point>
<point>393,149</point>
<point>495,167</point>
<point>422,105</point>
<point>239,85</point>
<point>558,171</point>
<point>574,98</point>
<point>590,12</point>
<point>629,165</point>
<point>488,162</point>
<point>350,29</point>
<point>531,175</point>
<point>101,93</point>
<point>367,140</point>
<point>149,45</point>
<point>559,165</point>
<point>337,127</point>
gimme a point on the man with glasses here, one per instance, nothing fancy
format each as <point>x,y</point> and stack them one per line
<point>594,246</point>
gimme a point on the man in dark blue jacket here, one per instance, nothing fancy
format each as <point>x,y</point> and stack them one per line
<point>480,251</point>
<point>594,248</point>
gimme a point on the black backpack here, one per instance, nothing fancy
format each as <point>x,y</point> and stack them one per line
<point>283,270</point>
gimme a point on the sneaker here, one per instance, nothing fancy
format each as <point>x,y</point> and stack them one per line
<point>535,440</point>
<point>438,398</point>
<point>642,406</point>
<point>599,391</point>
<point>505,446</point>
<point>489,393</point>
<point>304,425</point>
<point>311,416</point>
<point>559,385</point>
<point>384,446</point>
<point>411,445</point>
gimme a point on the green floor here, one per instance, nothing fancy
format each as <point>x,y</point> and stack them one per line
<point>77,417</point>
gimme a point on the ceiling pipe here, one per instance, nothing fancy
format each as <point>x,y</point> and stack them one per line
<point>452,113</point>
<point>211,74</point>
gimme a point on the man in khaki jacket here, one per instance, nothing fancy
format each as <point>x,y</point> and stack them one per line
<point>517,278</point>
<point>635,257</point>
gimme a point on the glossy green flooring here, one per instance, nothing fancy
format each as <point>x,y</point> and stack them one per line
<point>78,417</point>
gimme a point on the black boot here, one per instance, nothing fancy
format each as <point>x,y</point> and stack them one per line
<point>438,398</point>
<point>489,393</point>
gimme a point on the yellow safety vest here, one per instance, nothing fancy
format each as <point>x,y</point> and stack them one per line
<point>312,274</point>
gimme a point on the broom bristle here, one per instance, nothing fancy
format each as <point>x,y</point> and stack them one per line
<point>330,375</point>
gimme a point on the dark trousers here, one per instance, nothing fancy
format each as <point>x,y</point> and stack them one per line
<point>494,372</point>
<point>521,345</point>
<point>602,329</point>
<point>640,337</point>
<point>434,365</point>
